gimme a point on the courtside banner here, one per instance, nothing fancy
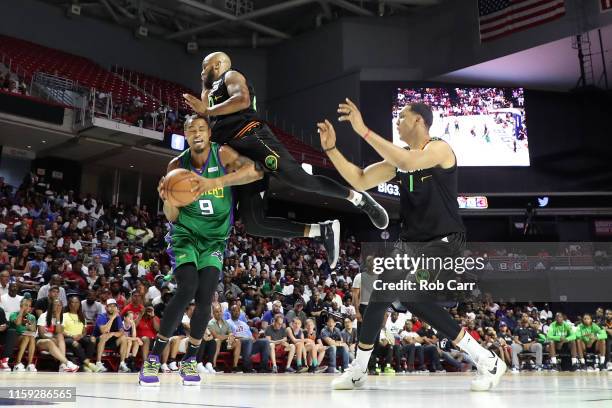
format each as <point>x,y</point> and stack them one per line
<point>447,271</point>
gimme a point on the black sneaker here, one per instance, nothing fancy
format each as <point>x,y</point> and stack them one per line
<point>330,235</point>
<point>378,215</point>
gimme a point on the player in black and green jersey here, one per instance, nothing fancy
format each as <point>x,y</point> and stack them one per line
<point>197,240</point>
<point>229,100</point>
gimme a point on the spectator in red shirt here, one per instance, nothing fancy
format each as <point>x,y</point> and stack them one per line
<point>147,327</point>
<point>116,293</point>
<point>135,306</point>
<point>471,329</point>
<point>416,324</point>
<point>74,277</point>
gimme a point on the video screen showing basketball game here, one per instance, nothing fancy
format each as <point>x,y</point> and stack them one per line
<point>484,126</point>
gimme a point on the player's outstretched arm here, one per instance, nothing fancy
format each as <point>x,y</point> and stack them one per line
<point>359,179</point>
<point>241,170</point>
<point>436,153</point>
<point>239,99</point>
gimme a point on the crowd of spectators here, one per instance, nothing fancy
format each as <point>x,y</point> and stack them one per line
<point>462,101</point>
<point>85,284</point>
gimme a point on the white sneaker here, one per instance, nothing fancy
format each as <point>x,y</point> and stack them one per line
<point>609,367</point>
<point>490,372</point>
<point>210,368</point>
<point>515,370</point>
<point>19,368</point>
<point>31,368</point>
<point>123,368</point>
<point>354,376</point>
<point>173,366</point>
<point>101,367</point>
<point>165,369</point>
<point>69,367</point>
<point>201,369</point>
<point>4,367</point>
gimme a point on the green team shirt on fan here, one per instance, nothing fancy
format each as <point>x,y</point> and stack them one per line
<point>199,235</point>
<point>556,331</point>
<point>582,331</point>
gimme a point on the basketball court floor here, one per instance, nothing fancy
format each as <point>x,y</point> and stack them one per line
<point>536,390</point>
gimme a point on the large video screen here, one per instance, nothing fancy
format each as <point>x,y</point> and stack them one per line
<point>484,126</point>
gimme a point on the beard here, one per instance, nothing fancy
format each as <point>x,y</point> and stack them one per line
<point>208,81</point>
<point>199,150</point>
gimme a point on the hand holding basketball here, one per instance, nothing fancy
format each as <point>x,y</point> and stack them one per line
<point>176,188</point>
<point>349,111</point>
<point>327,134</point>
<point>200,185</point>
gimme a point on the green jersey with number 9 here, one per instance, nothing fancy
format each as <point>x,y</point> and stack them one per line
<point>210,216</point>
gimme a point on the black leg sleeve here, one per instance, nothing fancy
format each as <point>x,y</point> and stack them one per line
<point>372,322</point>
<point>208,280</point>
<point>187,284</point>
<point>251,206</point>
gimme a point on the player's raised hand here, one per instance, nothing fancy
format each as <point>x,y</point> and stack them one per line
<point>350,112</point>
<point>327,133</point>
<point>199,106</point>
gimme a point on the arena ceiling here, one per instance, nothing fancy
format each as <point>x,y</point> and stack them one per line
<point>236,23</point>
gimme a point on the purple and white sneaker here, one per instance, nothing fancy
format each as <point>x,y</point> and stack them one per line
<point>148,376</point>
<point>189,372</point>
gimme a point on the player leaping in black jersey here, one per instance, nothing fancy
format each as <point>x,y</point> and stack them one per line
<point>228,99</point>
<point>430,216</point>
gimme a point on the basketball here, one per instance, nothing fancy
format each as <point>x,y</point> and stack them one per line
<point>178,187</point>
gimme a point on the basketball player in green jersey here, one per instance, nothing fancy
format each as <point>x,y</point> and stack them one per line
<point>197,239</point>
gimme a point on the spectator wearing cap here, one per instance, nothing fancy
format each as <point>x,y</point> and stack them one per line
<point>90,307</point>
<point>249,345</point>
<point>11,301</point>
<point>277,309</point>
<point>332,338</point>
<point>56,280</point>
<point>109,332</point>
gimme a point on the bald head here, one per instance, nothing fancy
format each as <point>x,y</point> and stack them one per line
<point>213,66</point>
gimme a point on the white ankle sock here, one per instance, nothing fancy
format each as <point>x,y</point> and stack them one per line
<point>357,197</point>
<point>553,360</point>
<point>582,361</point>
<point>363,357</point>
<point>574,360</point>
<point>602,359</point>
<point>473,348</point>
<point>315,231</point>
